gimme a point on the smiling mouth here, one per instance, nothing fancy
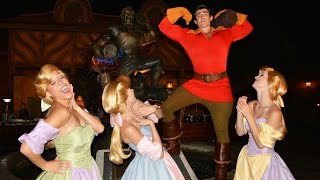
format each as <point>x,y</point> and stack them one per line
<point>64,89</point>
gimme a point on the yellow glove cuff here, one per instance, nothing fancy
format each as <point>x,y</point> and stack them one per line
<point>173,14</point>
<point>241,18</point>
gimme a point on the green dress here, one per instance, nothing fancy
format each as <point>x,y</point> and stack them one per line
<point>75,147</point>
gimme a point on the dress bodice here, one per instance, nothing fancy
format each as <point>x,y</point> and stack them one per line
<point>252,146</point>
<point>265,163</point>
<point>76,146</point>
<point>146,131</point>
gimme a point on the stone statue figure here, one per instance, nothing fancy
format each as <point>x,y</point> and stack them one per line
<point>121,46</point>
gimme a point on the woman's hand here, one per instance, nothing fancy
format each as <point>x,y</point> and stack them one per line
<point>144,110</point>
<point>57,166</point>
<point>73,103</point>
<point>144,122</point>
<point>243,107</point>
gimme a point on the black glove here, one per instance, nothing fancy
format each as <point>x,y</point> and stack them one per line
<point>226,19</point>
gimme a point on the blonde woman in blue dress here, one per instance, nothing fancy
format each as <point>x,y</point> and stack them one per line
<point>133,123</point>
<point>263,121</point>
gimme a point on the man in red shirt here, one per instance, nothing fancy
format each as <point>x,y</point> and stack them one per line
<point>207,48</point>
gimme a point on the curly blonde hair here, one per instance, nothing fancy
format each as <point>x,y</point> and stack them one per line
<point>277,88</point>
<point>43,79</point>
<point>114,98</point>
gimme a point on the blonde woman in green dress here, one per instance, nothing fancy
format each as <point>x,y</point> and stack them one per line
<point>69,127</point>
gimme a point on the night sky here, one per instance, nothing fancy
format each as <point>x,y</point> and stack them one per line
<point>285,37</point>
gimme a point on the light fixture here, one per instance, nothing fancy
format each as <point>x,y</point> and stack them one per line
<point>6,100</point>
<point>169,85</point>
<point>308,84</point>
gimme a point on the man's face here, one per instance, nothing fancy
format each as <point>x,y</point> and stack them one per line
<point>203,18</point>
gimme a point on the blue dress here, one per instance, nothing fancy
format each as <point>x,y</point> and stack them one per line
<point>143,167</point>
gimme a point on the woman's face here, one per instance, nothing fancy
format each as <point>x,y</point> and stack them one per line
<point>261,80</point>
<point>59,87</point>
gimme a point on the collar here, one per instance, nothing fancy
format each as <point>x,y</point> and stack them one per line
<point>197,31</point>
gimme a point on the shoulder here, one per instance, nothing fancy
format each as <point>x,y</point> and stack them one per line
<point>131,134</point>
<point>275,112</point>
<point>274,117</point>
<point>130,130</point>
<point>58,116</point>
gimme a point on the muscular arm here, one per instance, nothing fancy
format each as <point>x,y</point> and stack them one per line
<point>107,37</point>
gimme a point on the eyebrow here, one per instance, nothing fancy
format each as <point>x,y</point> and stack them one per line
<point>202,11</point>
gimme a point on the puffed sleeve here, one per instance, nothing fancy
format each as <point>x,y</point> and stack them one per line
<point>148,148</point>
<point>268,135</point>
<point>41,134</point>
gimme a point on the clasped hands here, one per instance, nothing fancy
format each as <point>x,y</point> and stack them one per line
<point>243,107</point>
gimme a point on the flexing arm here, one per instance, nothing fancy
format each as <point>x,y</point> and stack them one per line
<point>173,14</point>
<point>100,48</point>
<point>227,18</point>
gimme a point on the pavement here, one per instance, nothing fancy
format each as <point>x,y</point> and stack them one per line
<point>302,157</point>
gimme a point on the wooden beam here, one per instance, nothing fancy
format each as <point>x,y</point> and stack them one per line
<point>91,28</point>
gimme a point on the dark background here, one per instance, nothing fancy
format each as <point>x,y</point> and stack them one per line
<point>284,37</point>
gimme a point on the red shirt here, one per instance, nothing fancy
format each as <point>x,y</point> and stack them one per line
<point>207,56</point>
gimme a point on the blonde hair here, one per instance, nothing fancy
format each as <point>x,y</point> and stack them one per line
<point>114,98</point>
<point>277,88</point>
<point>43,79</point>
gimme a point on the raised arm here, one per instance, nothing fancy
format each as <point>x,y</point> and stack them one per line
<point>167,26</point>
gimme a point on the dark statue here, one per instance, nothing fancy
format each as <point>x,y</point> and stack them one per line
<point>121,46</point>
